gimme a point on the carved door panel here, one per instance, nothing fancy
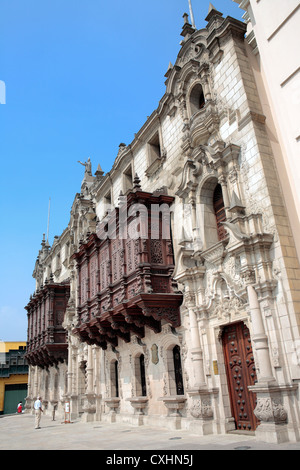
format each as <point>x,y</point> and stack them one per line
<point>241,373</point>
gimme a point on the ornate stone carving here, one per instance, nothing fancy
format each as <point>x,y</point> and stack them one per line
<point>228,307</point>
<point>248,276</point>
<point>270,410</point>
<point>154,354</point>
<point>202,409</point>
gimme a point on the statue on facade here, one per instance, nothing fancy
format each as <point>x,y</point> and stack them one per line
<point>88,167</point>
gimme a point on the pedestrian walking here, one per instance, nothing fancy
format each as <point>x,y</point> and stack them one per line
<point>19,407</point>
<point>38,412</point>
<point>53,412</point>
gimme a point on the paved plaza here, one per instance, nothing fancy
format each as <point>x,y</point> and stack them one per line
<point>17,433</point>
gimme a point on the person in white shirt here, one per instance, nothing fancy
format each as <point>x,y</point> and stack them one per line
<point>38,412</point>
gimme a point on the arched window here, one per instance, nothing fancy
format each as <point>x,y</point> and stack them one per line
<point>140,376</point>
<point>219,210</point>
<point>197,99</point>
<point>143,375</point>
<point>178,371</point>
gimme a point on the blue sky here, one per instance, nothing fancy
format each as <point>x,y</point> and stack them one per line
<point>81,76</point>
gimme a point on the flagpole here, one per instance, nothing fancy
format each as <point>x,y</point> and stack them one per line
<point>48,220</point>
<point>192,14</point>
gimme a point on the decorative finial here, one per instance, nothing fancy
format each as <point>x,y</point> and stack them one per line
<point>187,29</point>
<point>43,241</point>
<point>136,182</point>
<point>213,13</point>
<point>99,171</point>
<point>236,204</point>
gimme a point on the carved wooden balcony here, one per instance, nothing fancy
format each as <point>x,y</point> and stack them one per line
<point>47,342</point>
<point>125,279</point>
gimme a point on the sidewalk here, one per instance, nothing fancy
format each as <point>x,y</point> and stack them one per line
<point>17,433</point>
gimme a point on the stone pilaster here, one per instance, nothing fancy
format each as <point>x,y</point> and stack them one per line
<point>270,409</point>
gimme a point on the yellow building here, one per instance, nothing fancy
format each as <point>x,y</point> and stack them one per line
<point>13,375</point>
<point>5,346</point>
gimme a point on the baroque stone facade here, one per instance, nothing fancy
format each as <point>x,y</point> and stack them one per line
<point>187,317</point>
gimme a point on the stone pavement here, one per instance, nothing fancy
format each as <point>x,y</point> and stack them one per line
<point>17,433</point>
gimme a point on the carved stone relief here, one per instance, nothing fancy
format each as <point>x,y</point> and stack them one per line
<point>202,408</point>
<point>270,410</point>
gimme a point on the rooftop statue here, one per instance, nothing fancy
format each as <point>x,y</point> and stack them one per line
<point>88,167</point>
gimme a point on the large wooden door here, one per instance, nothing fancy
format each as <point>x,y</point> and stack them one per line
<point>241,373</point>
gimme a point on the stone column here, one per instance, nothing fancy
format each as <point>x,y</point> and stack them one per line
<point>29,398</point>
<point>89,371</point>
<point>196,350</point>
<point>97,390</point>
<point>201,406</point>
<point>89,406</point>
<point>74,384</point>
<point>69,372</point>
<point>260,338</point>
<point>269,409</point>
<point>73,378</point>
<point>36,382</point>
<point>223,182</point>
<point>197,242</point>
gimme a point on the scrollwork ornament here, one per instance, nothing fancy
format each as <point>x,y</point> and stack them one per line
<point>248,277</point>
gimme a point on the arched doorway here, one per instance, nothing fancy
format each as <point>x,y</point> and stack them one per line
<point>241,373</point>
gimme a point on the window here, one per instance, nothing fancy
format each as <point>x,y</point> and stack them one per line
<point>219,210</point>
<point>155,153</point>
<point>107,202</point>
<point>154,150</point>
<point>143,376</point>
<point>178,371</point>
<point>140,376</point>
<point>197,99</point>
<point>127,179</point>
<point>114,379</point>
